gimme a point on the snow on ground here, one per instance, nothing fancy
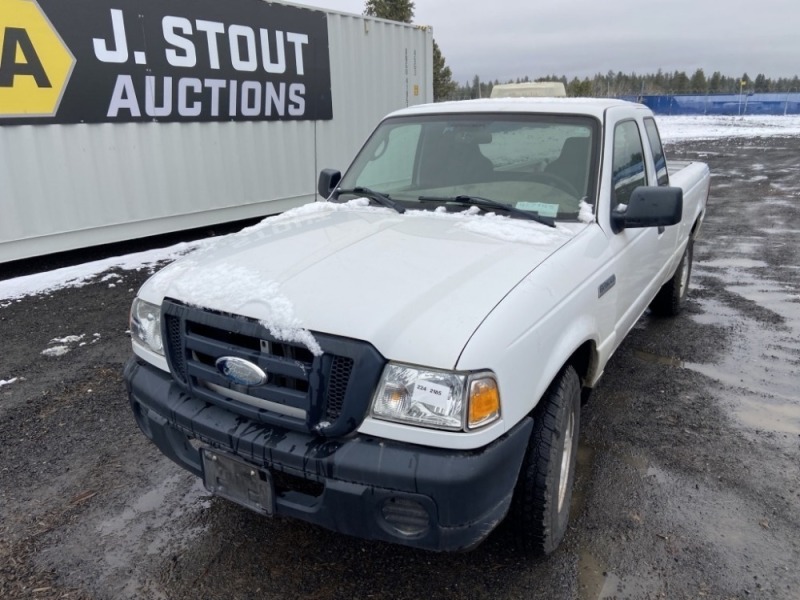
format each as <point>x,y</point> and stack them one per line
<point>80,275</point>
<point>673,129</point>
<point>709,127</point>
<point>61,346</point>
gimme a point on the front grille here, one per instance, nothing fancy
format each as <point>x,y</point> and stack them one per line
<point>327,394</point>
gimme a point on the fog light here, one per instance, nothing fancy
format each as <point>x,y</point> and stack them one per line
<point>407,517</point>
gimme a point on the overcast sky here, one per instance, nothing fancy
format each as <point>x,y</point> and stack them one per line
<point>506,39</point>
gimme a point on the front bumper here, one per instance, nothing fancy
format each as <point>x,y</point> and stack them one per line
<point>359,485</point>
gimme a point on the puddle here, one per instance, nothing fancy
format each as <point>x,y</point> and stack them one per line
<point>157,505</point>
<point>117,548</point>
<point>747,247</point>
<point>657,359</point>
<point>734,263</point>
<point>762,366</point>
<point>763,415</point>
<point>780,231</point>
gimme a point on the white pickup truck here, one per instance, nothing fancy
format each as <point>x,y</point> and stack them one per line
<point>406,360</point>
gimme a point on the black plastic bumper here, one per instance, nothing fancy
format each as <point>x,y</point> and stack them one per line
<point>355,485</point>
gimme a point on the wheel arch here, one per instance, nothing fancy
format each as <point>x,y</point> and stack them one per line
<point>585,362</point>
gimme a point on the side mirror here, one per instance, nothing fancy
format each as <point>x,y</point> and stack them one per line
<point>328,180</point>
<point>650,207</point>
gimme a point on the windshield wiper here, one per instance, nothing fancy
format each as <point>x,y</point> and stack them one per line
<point>486,203</point>
<point>373,195</point>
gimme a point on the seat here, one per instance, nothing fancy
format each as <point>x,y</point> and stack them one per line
<point>572,165</point>
<point>451,161</point>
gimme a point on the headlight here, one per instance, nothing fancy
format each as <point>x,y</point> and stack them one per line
<point>434,398</point>
<point>146,325</point>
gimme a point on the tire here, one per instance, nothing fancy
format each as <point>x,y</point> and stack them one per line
<point>670,298</point>
<point>541,502</point>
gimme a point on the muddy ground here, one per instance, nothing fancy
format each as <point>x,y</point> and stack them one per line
<point>689,468</point>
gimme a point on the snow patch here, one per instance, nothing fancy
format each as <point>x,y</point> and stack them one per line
<point>64,344</point>
<point>70,339</point>
<point>512,230</point>
<point>56,351</point>
<point>586,212</point>
<point>232,288</point>
<point>310,211</point>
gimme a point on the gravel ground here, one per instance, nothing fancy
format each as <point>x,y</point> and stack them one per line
<point>688,481</point>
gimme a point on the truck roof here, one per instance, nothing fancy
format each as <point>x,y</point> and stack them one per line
<point>582,106</point>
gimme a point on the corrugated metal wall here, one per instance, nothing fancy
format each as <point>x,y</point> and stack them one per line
<point>70,186</point>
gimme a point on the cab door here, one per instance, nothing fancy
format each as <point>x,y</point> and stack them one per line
<point>641,254</point>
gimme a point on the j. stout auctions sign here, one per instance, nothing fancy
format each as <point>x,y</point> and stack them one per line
<point>92,61</point>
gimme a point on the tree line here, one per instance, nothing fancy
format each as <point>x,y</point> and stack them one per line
<point>610,84</point>
<point>618,84</point>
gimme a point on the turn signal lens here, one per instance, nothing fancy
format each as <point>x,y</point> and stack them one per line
<point>484,402</point>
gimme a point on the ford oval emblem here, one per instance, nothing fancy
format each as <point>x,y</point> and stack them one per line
<point>241,371</point>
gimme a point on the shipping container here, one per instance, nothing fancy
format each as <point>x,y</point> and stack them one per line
<point>118,123</point>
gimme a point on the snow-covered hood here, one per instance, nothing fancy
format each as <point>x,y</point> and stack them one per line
<point>415,285</point>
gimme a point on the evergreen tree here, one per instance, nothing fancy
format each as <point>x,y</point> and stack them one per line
<point>698,82</point>
<point>680,82</point>
<point>443,85</point>
<point>475,90</point>
<point>715,83</point>
<point>393,10</point>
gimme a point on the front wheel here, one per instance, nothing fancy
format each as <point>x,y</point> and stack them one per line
<point>540,507</point>
<point>669,299</point>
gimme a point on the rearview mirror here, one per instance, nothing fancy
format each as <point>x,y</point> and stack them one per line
<point>649,207</point>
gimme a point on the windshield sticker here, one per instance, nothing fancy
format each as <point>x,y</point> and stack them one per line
<point>544,210</point>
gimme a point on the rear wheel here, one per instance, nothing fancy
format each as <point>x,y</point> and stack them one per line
<point>669,300</point>
<point>540,507</point>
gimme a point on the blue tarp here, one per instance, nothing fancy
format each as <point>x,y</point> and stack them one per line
<point>722,104</point>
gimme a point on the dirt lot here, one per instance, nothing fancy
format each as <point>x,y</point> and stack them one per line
<point>689,468</point>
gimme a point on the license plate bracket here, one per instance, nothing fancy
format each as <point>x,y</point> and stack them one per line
<point>238,481</point>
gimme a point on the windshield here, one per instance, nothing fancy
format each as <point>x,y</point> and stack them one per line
<point>536,163</point>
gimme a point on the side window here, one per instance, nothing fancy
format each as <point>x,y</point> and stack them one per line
<point>658,151</point>
<point>628,164</point>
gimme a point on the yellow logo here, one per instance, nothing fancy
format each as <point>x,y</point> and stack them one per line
<point>35,64</point>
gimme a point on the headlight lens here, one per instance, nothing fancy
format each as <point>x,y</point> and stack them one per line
<point>146,325</point>
<point>437,399</point>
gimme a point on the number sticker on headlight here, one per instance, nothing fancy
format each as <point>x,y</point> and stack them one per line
<point>432,394</point>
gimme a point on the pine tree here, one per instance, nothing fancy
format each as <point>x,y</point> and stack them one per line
<point>698,82</point>
<point>715,84</point>
<point>393,10</point>
<point>443,85</point>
